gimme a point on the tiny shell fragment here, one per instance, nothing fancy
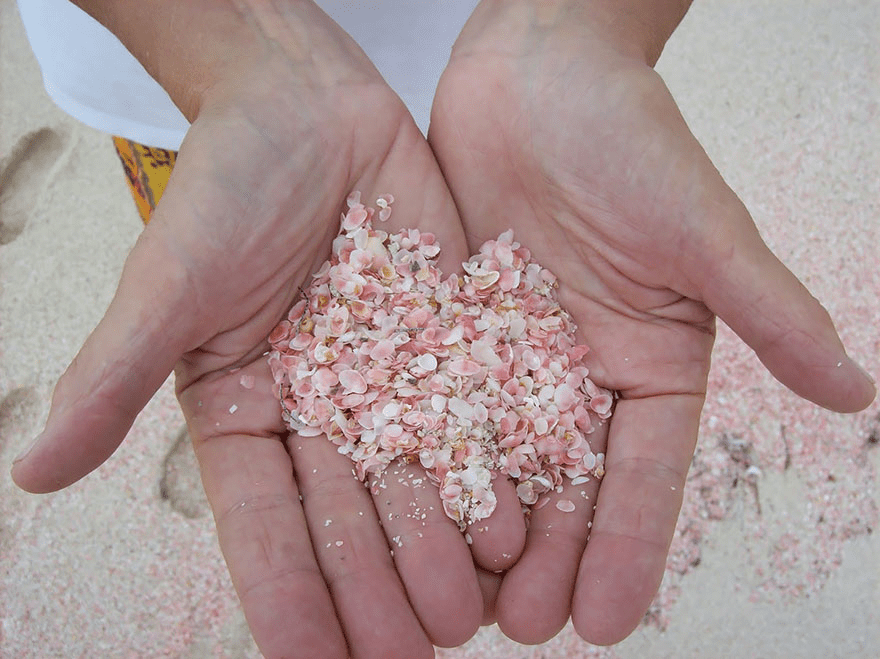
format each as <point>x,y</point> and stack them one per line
<point>565,505</point>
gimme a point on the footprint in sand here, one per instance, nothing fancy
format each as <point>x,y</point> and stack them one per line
<point>181,485</point>
<point>22,177</point>
<point>18,409</point>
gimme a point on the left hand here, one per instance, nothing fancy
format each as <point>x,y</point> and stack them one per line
<point>566,135</point>
<point>289,116</point>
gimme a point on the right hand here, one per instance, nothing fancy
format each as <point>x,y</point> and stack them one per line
<point>550,122</point>
<point>296,118</point>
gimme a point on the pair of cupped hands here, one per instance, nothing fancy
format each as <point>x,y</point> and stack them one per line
<point>549,125</point>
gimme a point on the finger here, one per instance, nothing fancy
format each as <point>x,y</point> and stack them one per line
<point>534,601</point>
<point>354,555</point>
<point>123,362</point>
<point>430,553</point>
<point>261,527</point>
<point>264,538</point>
<point>771,310</point>
<point>490,584</point>
<point>650,447</point>
<point>498,541</point>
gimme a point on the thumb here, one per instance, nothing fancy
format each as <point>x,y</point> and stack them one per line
<point>121,365</point>
<point>792,334</point>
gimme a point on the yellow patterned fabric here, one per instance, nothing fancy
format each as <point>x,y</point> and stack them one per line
<point>147,170</point>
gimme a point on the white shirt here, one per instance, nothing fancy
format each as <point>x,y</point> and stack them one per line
<point>91,76</point>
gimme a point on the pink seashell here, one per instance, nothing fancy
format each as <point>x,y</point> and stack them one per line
<point>577,353</point>
<point>360,310</point>
<point>551,324</point>
<point>355,217</point>
<point>484,280</point>
<point>352,382</point>
<point>393,431</point>
<point>414,418</point>
<point>382,350</point>
<point>483,351</point>
<point>601,403</point>
<point>455,335</point>
<point>451,491</point>
<point>301,341</point>
<point>360,260</point>
<point>353,199</point>
<point>508,280</point>
<point>351,400</point>
<point>437,384</point>
<point>589,387</point>
<point>564,397</point>
<point>589,461</point>
<point>377,376</point>
<point>282,331</point>
<point>464,367</point>
<point>297,311</point>
<point>304,389</point>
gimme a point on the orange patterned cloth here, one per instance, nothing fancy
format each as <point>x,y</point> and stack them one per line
<point>147,170</point>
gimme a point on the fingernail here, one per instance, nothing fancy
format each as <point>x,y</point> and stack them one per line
<point>21,456</point>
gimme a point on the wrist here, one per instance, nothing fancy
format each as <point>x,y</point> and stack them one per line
<point>636,29</point>
<point>186,46</point>
<point>642,25</point>
<point>210,50</point>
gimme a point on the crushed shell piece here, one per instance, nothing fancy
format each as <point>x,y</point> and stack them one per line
<point>565,505</point>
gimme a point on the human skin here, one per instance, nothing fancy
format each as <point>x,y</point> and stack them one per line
<point>288,116</point>
<point>550,120</point>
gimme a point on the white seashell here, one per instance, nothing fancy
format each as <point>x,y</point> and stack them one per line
<point>460,408</point>
<point>565,506</point>
<point>456,334</point>
<point>391,410</point>
<point>427,361</point>
<point>483,351</point>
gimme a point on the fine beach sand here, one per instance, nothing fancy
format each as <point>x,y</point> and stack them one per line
<point>777,553</point>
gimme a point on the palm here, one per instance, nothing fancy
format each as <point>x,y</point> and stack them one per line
<point>587,159</point>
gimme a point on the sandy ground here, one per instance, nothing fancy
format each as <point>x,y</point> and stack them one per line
<point>776,553</point>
